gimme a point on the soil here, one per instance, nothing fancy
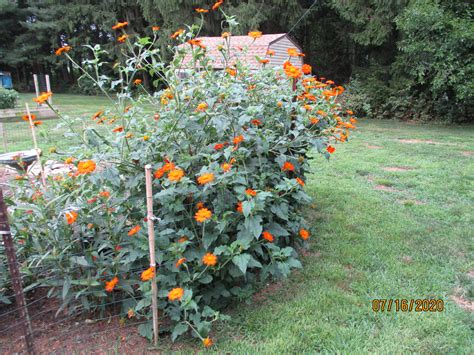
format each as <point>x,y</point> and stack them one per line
<point>397,168</point>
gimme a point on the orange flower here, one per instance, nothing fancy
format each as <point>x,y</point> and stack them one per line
<point>86,167</point>
<point>299,181</point>
<point>268,236</point>
<point>176,294</point>
<point>207,342</point>
<point>255,34</point>
<point>62,50</point>
<point>256,122</point>
<point>217,5</point>
<point>205,178</point>
<point>264,61</point>
<point>134,230</point>
<point>177,33</point>
<point>349,112</point>
<point>270,52</point>
<point>330,149</point>
<point>182,240</point>
<point>239,207</point>
<point>168,166</point>
<point>313,120</point>
<point>148,274</point>
<point>279,104</point>
<point>137,81</point>
<point>219,146</point>
<point>155,28</point>
<point>225,34</point>
<point>156,116</point>
<point>226,167</point>
<point>304,234</point>
<point>25,117</point>
<point>180,261</point>
<point>231,72</point>
<point>43,97</point>
<point>200,205</point>
<point>119,25</point>
<point>209,259</point>
<point>110,285</point>
<point>118,129</point>
<point>71,217</point>
<point>238,139</point>
<point>321,112</point>
<point>291,71</point>
<point>287,166</point>
<point>175,175</point>
<point>37,123</point>
<point>292,52</point>
<point>159,173</point>
<point>105,194</point>
<point>122,38</point>
<point>97,115</point>
<point>201,11</point>
<point>69,160</point>
<point>251,192</point>
<point>352,120</point>
<point>306,69</point>
<point>202,215</point>
<point>202,107</point>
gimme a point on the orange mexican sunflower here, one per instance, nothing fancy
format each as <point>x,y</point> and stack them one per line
<point>219,146</point>
<point>156,116</point>
<point>177,33</point>
<point>110,285</point>
<point>239,207</point>
<point>321,113</point>
<point>251,192</point>
<point>217,5</point>
<point>97,115</point>
<point>201,11</point>
<point>209,259</point>
<point>62,50</point>
<point>155,28</point>
<point>314,120</point>
<point>134,230</point>
<point>349,112</point>
<point>202,215</point>
<point>145,138</point>
<point>304,234</point>
<point>299,181</point>
<point>43,97</point>
<point>306,69</point>
<point>176,294</point>
<point>279,104</point>
<point>338,90</point>
<point>119,25</point>
<point>168,166</point>
<point>118,129</point>
<point>71,217</point>
<point>207,342</point>
<point>175,175</point>
<point>291,71</point>
<point>104,194</point>
<point>92,200</point>
<point>226,167</point>
<point>180,261</point>
<point>331,149</point>
<point>26,118</point>
<point>292,52</point>
<point>307,107</point>
<point>137,81</point>
<point>264,61</point>
<point>122,38</point>
<point>255,34</point>
<point>225,34</point>
<point>86,167</point>
<point>200,205</point>
<point>148,274</point>
<point>330,82</point>
<point>352,120</point>
<point>205,178</point>
<point>37,123</point>
<point>231,72</point>
<point>287,166</point>
<point>238,139</point>
<point>256,122</point>
<point>202,107</point>
<point>69,160</point>
<point>182,240</point>
<point>268,236</point>
<point>270,52</point>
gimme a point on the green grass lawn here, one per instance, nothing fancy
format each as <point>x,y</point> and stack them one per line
<point>392,219</point>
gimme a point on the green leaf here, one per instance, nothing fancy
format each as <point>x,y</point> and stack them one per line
<point>146,330</point>
<point>241,261</point>
<point>178,330</point>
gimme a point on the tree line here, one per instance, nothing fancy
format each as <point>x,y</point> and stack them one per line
<point>399,58</point>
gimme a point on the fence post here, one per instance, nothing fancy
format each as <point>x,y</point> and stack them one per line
<point>48,88</point>
<point>35,79</point>
<point>15,275</point>
<point>151,244</point>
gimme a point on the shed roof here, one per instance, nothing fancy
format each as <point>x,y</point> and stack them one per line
<point>255,48</point>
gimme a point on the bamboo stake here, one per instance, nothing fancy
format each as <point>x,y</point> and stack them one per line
<point>151,244</point>
<point>33,134</point>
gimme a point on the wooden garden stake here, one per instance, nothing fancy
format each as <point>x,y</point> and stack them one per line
<point>48,89</point>
<point>33,134</point>
<point>15,276</point>
<point>151,244</point>
<point>35,79</point>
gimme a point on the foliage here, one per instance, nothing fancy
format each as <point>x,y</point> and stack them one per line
<point>8,98</point>
<point>229,163</point>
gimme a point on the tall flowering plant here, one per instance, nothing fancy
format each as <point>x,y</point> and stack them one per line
<point>229,150</point>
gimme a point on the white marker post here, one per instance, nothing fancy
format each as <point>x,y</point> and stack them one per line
<point>151,244</point>
<point>33,134</point>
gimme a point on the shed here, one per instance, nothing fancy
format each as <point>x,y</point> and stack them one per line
<point>279,43</point>
<point>6,80</point>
